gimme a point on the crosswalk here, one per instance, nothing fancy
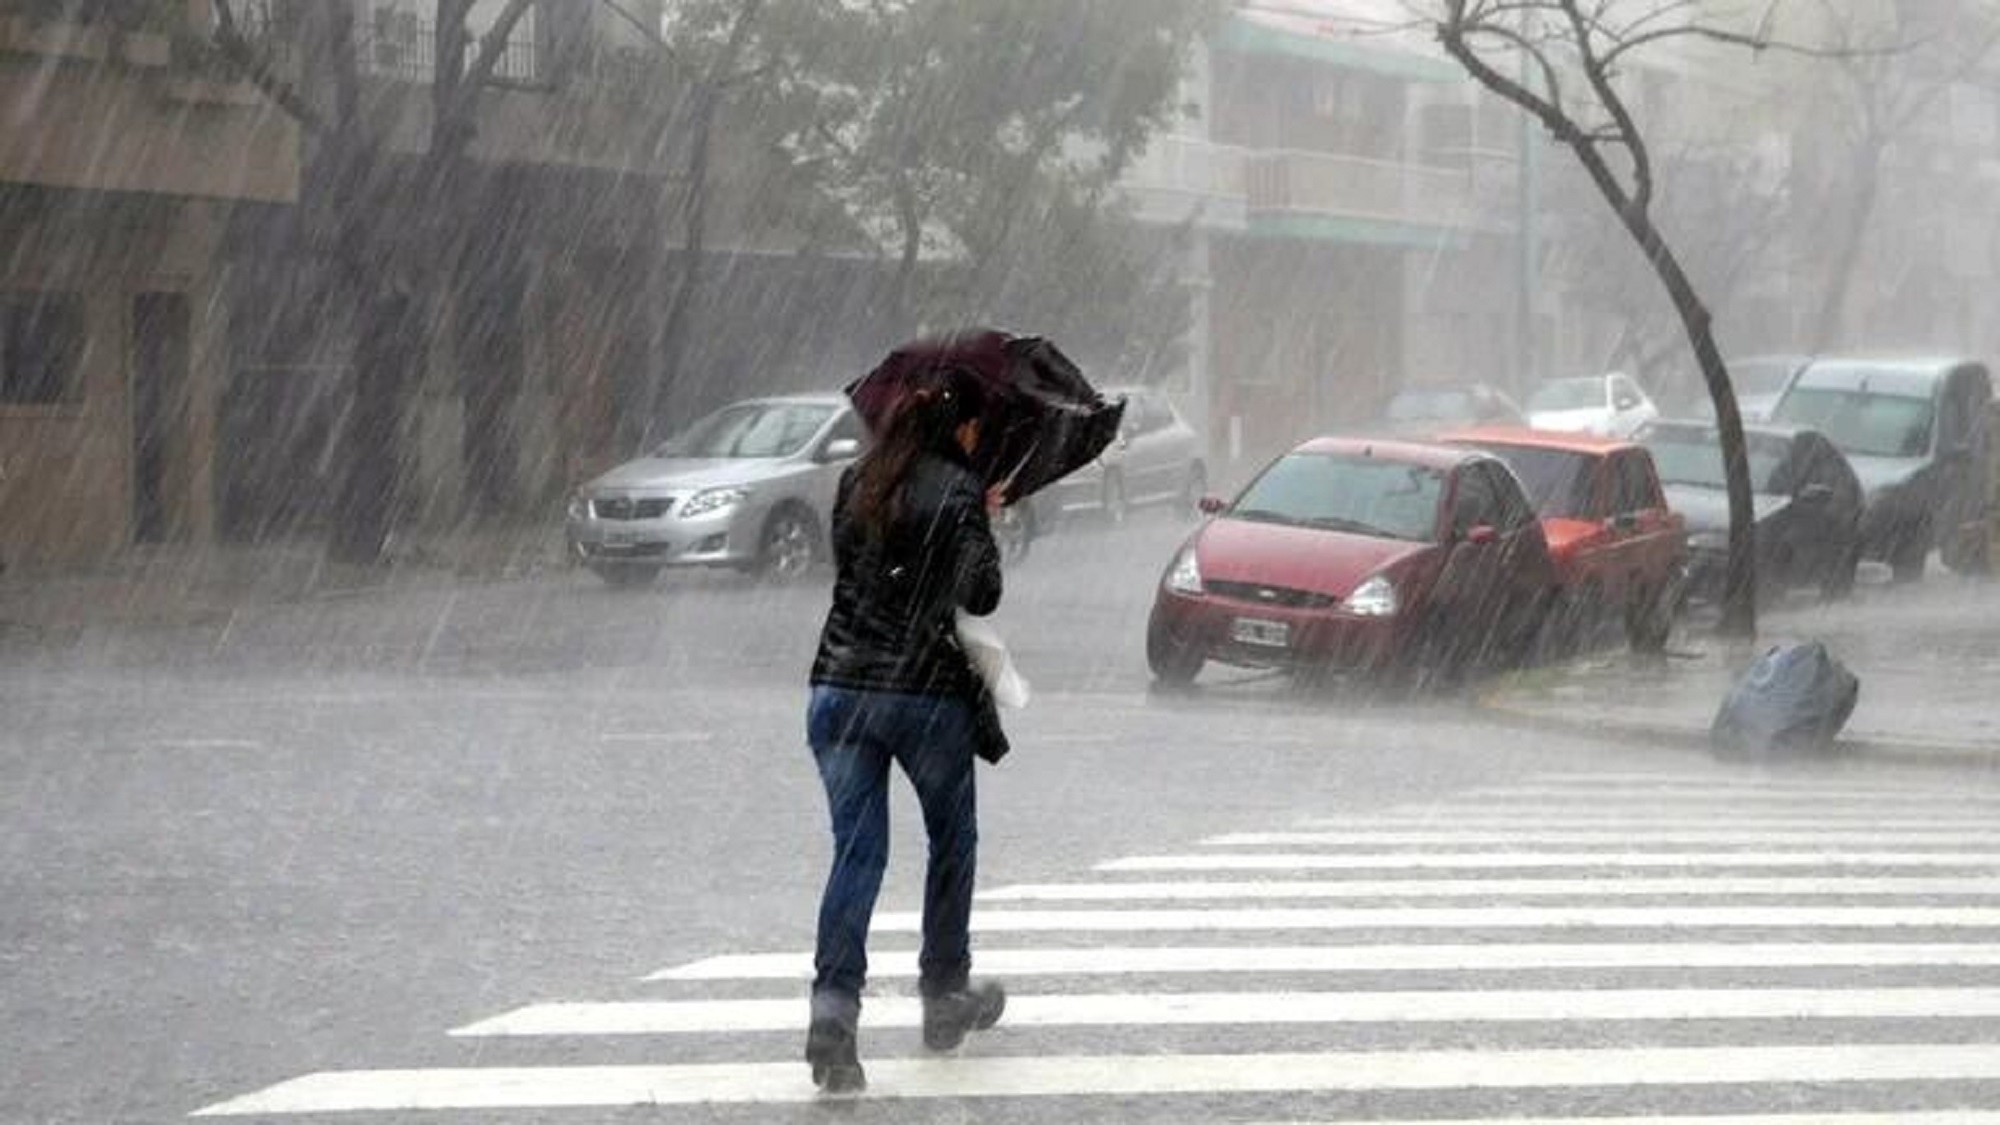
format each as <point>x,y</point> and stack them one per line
<point>1692,947</point>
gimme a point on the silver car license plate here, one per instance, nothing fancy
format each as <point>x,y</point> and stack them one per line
<point>1262,633</point>
<point>623,539</point>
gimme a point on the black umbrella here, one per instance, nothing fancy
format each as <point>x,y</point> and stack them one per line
<point>1043,420</point>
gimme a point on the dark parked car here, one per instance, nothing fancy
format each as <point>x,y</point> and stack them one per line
<point>1350,554</point>
<point>1919,438</point>
<point>1426,409</point>
<point>1806,498</point>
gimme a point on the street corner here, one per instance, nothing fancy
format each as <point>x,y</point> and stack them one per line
<point>1669,700</point>
<point>1654,700</point>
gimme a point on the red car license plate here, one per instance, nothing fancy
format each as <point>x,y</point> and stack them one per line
<point>1264,634</point>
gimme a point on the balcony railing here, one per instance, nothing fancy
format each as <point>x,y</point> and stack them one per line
<point>1313,183</point>
<point>397,45</point>
<point>1191,166</point>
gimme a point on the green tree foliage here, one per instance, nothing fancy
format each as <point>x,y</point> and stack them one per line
<point>975,143</point>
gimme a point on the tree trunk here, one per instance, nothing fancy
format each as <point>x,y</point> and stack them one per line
<point>353,188</point>
<point>675,333</point>
<point>1850,234</point>
<point>1739,586</point>
<point>909,215</point>
<point>371,444</point>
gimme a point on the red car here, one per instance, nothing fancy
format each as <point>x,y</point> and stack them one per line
<point>1618,550</point>
<point>1349,554</point>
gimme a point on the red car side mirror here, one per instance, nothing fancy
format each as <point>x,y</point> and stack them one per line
<point>1482,536</point>
<point>1211,505</point>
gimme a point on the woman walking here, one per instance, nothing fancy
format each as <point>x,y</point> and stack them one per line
<point>912,545</point>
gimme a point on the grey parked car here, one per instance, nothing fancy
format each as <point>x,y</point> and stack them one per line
<point>748,487</point>
<point>1918,435</point>
<point>1157,459</point>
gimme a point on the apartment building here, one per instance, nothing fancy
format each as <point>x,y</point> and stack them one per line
<point>1348,210</point>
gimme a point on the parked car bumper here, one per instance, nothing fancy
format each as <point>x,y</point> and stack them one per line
<point>1328,638</point>
<point>724,538</point>
<point>1081,491</point>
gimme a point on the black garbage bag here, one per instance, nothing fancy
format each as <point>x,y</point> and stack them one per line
<point>1794,698</point>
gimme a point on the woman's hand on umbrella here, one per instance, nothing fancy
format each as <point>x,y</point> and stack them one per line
<point>996,498</point>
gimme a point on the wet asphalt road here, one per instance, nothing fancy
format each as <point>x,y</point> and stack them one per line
<point>317,837</point>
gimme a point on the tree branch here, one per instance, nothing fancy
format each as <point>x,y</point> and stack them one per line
<point>1598,73</point>
<point>255,66</point>
<point>651,34</point>
<point>492,45</point>
<point>1452,37</point>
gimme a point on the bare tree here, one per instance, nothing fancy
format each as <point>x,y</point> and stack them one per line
<point>385,282</point>
<point>1889,79</point>
<point>1725,217</point>
<point>703,104</point>
<point>1574,52</point>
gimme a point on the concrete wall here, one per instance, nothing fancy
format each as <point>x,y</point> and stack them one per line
<point>66,469</point>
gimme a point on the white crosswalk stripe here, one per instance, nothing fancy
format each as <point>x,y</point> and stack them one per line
<point>1157,960</point>
<point>1460,838</point>
<point>1504,860</point>
<point>669,1017</point>
<point>1712,919</point>
<point>1497,888</point>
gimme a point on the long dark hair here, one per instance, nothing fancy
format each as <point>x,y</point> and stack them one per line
<point>925,421</point>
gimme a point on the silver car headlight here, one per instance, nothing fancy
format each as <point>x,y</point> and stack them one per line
<point>579,507</point>
<point>1375,597</point>
<point>1184,577</point>
<point>713,500</point>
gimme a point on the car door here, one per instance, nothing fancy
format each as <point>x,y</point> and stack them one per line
<point>1826,505</point>
<point>830,460</point>
<point>1153,451</point>
<point>1182,449</point>
<point>1963,446</point>
<point>1645,542</point>
<point>1525,574</point>
<point>1630,407</point>
<point>1139,460</point>
<point>1464,594</point>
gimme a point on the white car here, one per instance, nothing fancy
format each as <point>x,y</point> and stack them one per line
<point>1608,405</point>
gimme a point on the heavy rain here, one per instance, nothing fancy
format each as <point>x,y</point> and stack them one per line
<point>999,560</point>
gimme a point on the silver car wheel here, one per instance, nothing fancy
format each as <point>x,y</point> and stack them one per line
<point>788,547</point>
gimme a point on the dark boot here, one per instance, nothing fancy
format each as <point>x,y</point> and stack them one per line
<point>948,1016</point>
<point>831,1043</point>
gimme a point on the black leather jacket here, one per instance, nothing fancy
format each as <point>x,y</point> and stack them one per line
<point>891,625</point>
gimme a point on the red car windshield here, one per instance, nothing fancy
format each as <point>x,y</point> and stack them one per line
<point>1557,481</point>
<point>1346,492</point>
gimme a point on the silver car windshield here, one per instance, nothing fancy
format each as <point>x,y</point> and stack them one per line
<point>750,429</point>
<point>1695,458</point>
<point>1860,422</point>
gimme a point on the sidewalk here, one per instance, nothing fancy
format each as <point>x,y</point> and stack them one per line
<point>1928,659</point>
<point>188,585</point>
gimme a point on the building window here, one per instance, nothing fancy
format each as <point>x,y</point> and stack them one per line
<point>41,348</point>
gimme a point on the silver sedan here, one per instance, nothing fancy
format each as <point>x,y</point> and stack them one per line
<point>749,487</point>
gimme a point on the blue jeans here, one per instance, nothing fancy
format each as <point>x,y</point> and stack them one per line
<point>854,736</point>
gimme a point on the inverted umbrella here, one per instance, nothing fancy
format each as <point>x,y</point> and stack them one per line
<point>1043,420</point>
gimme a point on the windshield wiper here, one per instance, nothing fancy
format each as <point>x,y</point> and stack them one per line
<point>1260,515</point>
<point>1338,523</point>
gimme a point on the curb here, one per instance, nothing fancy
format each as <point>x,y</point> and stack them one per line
<point>1942,754</point>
